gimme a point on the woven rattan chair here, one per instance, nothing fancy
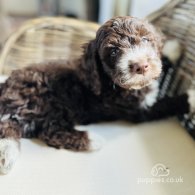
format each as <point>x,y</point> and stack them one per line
<point>177,20</point>
<point>53,38</point>
<point>45,39</point>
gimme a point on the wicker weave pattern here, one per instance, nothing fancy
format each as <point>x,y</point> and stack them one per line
<point>177,19</point>
<point>54,38</point>
<point>45,39</point>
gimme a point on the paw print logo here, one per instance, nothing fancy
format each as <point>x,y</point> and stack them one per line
<point>160,170</point>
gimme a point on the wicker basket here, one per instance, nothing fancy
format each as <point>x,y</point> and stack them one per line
<point>177,19</point>
<point>45,39</point>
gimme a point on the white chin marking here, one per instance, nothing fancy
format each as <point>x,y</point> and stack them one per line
<point>139,86</point>
<point>9,152</point>
<point>96,142</point>
<point>135,87</point>
<point>191,99</point>
<point>136,84</point>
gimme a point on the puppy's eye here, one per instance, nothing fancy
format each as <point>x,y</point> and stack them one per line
<point>114,52</point>
<point>145,39</point>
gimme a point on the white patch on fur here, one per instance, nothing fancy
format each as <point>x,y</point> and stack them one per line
<point>96,141</point>
<point>29,127</point>
<point>3,78</point>
<point>172,50</point>
<point>191,99</point>
<point>5,117</point>
<point>16,116</point>
<point>9,152</point>
<point>80,127</point>
<point>151,97</point>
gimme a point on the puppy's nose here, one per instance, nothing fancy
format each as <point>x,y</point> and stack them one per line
<point>138,68</point>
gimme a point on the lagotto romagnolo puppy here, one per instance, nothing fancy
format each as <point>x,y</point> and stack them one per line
<point>115,79</point>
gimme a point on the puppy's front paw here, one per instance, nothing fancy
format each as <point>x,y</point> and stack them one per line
<point>9,151</point>
<point>96,142</point>
<point>191,99</point>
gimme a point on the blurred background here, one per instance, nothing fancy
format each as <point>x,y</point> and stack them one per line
<point>14,12</point>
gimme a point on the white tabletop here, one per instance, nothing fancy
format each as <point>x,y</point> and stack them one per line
<point>121,167</point>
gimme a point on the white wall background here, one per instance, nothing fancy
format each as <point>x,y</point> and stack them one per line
<point>31,7</point>
<point>141,8</point>
<point>74,6</point>
<point>138,8</point>
<point>20,6</point>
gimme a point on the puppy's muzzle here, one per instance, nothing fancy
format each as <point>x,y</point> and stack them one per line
<point>137,68</point>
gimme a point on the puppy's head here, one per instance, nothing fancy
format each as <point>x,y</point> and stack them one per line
<point>129,50</point>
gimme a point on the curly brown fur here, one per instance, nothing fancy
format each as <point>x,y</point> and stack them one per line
<point>114,79</point>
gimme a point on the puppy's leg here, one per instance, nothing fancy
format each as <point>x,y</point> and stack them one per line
<point>9,145</point>
<point>9,152</point>
<point>69,138</point>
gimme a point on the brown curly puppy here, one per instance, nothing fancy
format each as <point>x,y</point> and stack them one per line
<point>114,79</point>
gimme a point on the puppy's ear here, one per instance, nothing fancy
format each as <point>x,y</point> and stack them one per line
<point>89,66</point>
